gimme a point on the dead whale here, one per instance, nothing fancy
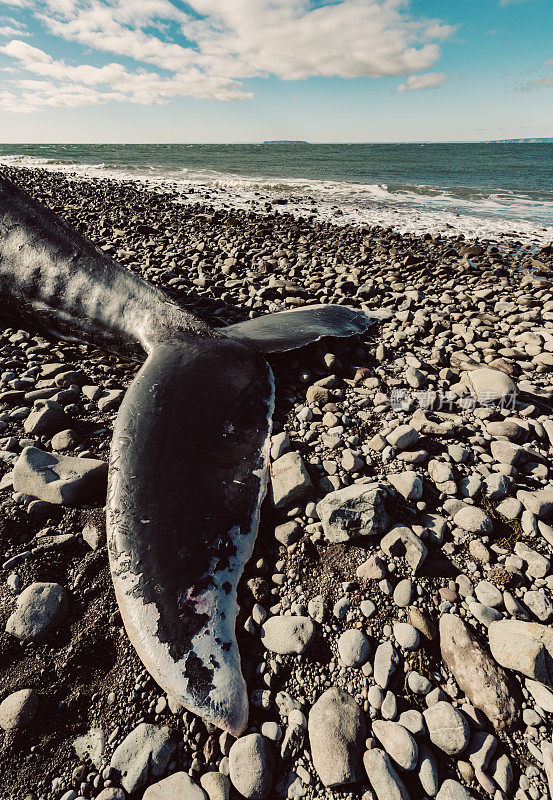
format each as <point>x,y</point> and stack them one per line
<point>189,455</point>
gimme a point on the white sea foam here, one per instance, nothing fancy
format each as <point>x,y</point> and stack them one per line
<point>415,209</point>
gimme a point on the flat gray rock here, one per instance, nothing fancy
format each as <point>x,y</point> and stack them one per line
<point>453,790</point>
<point>354,647</point>
<point>143,756</point>
<point>408,484</point>
<point>286,635</point>
<point>401,541</point>
<point>356,510</point>
<point>91,746</point>
<point>46,417</point>
<point>40,608</point>
<point>252,766</point>
<point>337,733</point>
<point>473,519</point>
<point>386,661</point>
<point>61,480</point>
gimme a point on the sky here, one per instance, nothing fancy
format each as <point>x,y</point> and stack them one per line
<point>251,70</point>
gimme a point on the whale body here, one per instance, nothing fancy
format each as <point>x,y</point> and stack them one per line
<point>190,450</point>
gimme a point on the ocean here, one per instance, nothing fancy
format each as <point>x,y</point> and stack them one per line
<point>481,190</point>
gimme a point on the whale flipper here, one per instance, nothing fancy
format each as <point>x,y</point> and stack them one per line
<point>289,330</point>
<point>188,473</point>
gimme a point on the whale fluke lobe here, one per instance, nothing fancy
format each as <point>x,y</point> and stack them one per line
<point>189,456</point>
<point>289,330</point>
<point>187,477</point>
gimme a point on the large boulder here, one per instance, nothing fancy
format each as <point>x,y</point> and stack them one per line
<point>486,684</point>
<point>337,733</point>
<point>356,510</point>
<point>61,480</point>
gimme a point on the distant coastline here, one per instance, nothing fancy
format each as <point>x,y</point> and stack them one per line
<point>532,140</point>
<point>284,141</point>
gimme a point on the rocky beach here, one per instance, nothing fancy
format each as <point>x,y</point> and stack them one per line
<point>395,619</point>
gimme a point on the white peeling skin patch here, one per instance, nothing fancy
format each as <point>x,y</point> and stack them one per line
<point>215,644</point>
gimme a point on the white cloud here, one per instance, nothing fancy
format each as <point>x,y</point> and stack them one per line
<point>539,83</point>
<point>226,42</point>
<point>429,81</point>
<point>10,27</point>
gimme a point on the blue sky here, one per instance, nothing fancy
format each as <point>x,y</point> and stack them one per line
<point>249,70</point>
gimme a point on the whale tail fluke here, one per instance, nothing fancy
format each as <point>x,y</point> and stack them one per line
<point>289,330</point>
<point>188,473</point>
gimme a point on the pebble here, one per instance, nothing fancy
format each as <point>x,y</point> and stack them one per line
<point>397,742</point>
<point>287,635</point>
<point>385,781</point>
<point>354,647</point>
<point>143,754</point>
<point>252,766</point>
<point>18,709</point>
<point>40,609</point>
<point>337,734</point>
<point>447,728</point>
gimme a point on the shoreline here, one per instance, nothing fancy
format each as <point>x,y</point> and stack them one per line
<point>396,407</point>
<point>408,209</point>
